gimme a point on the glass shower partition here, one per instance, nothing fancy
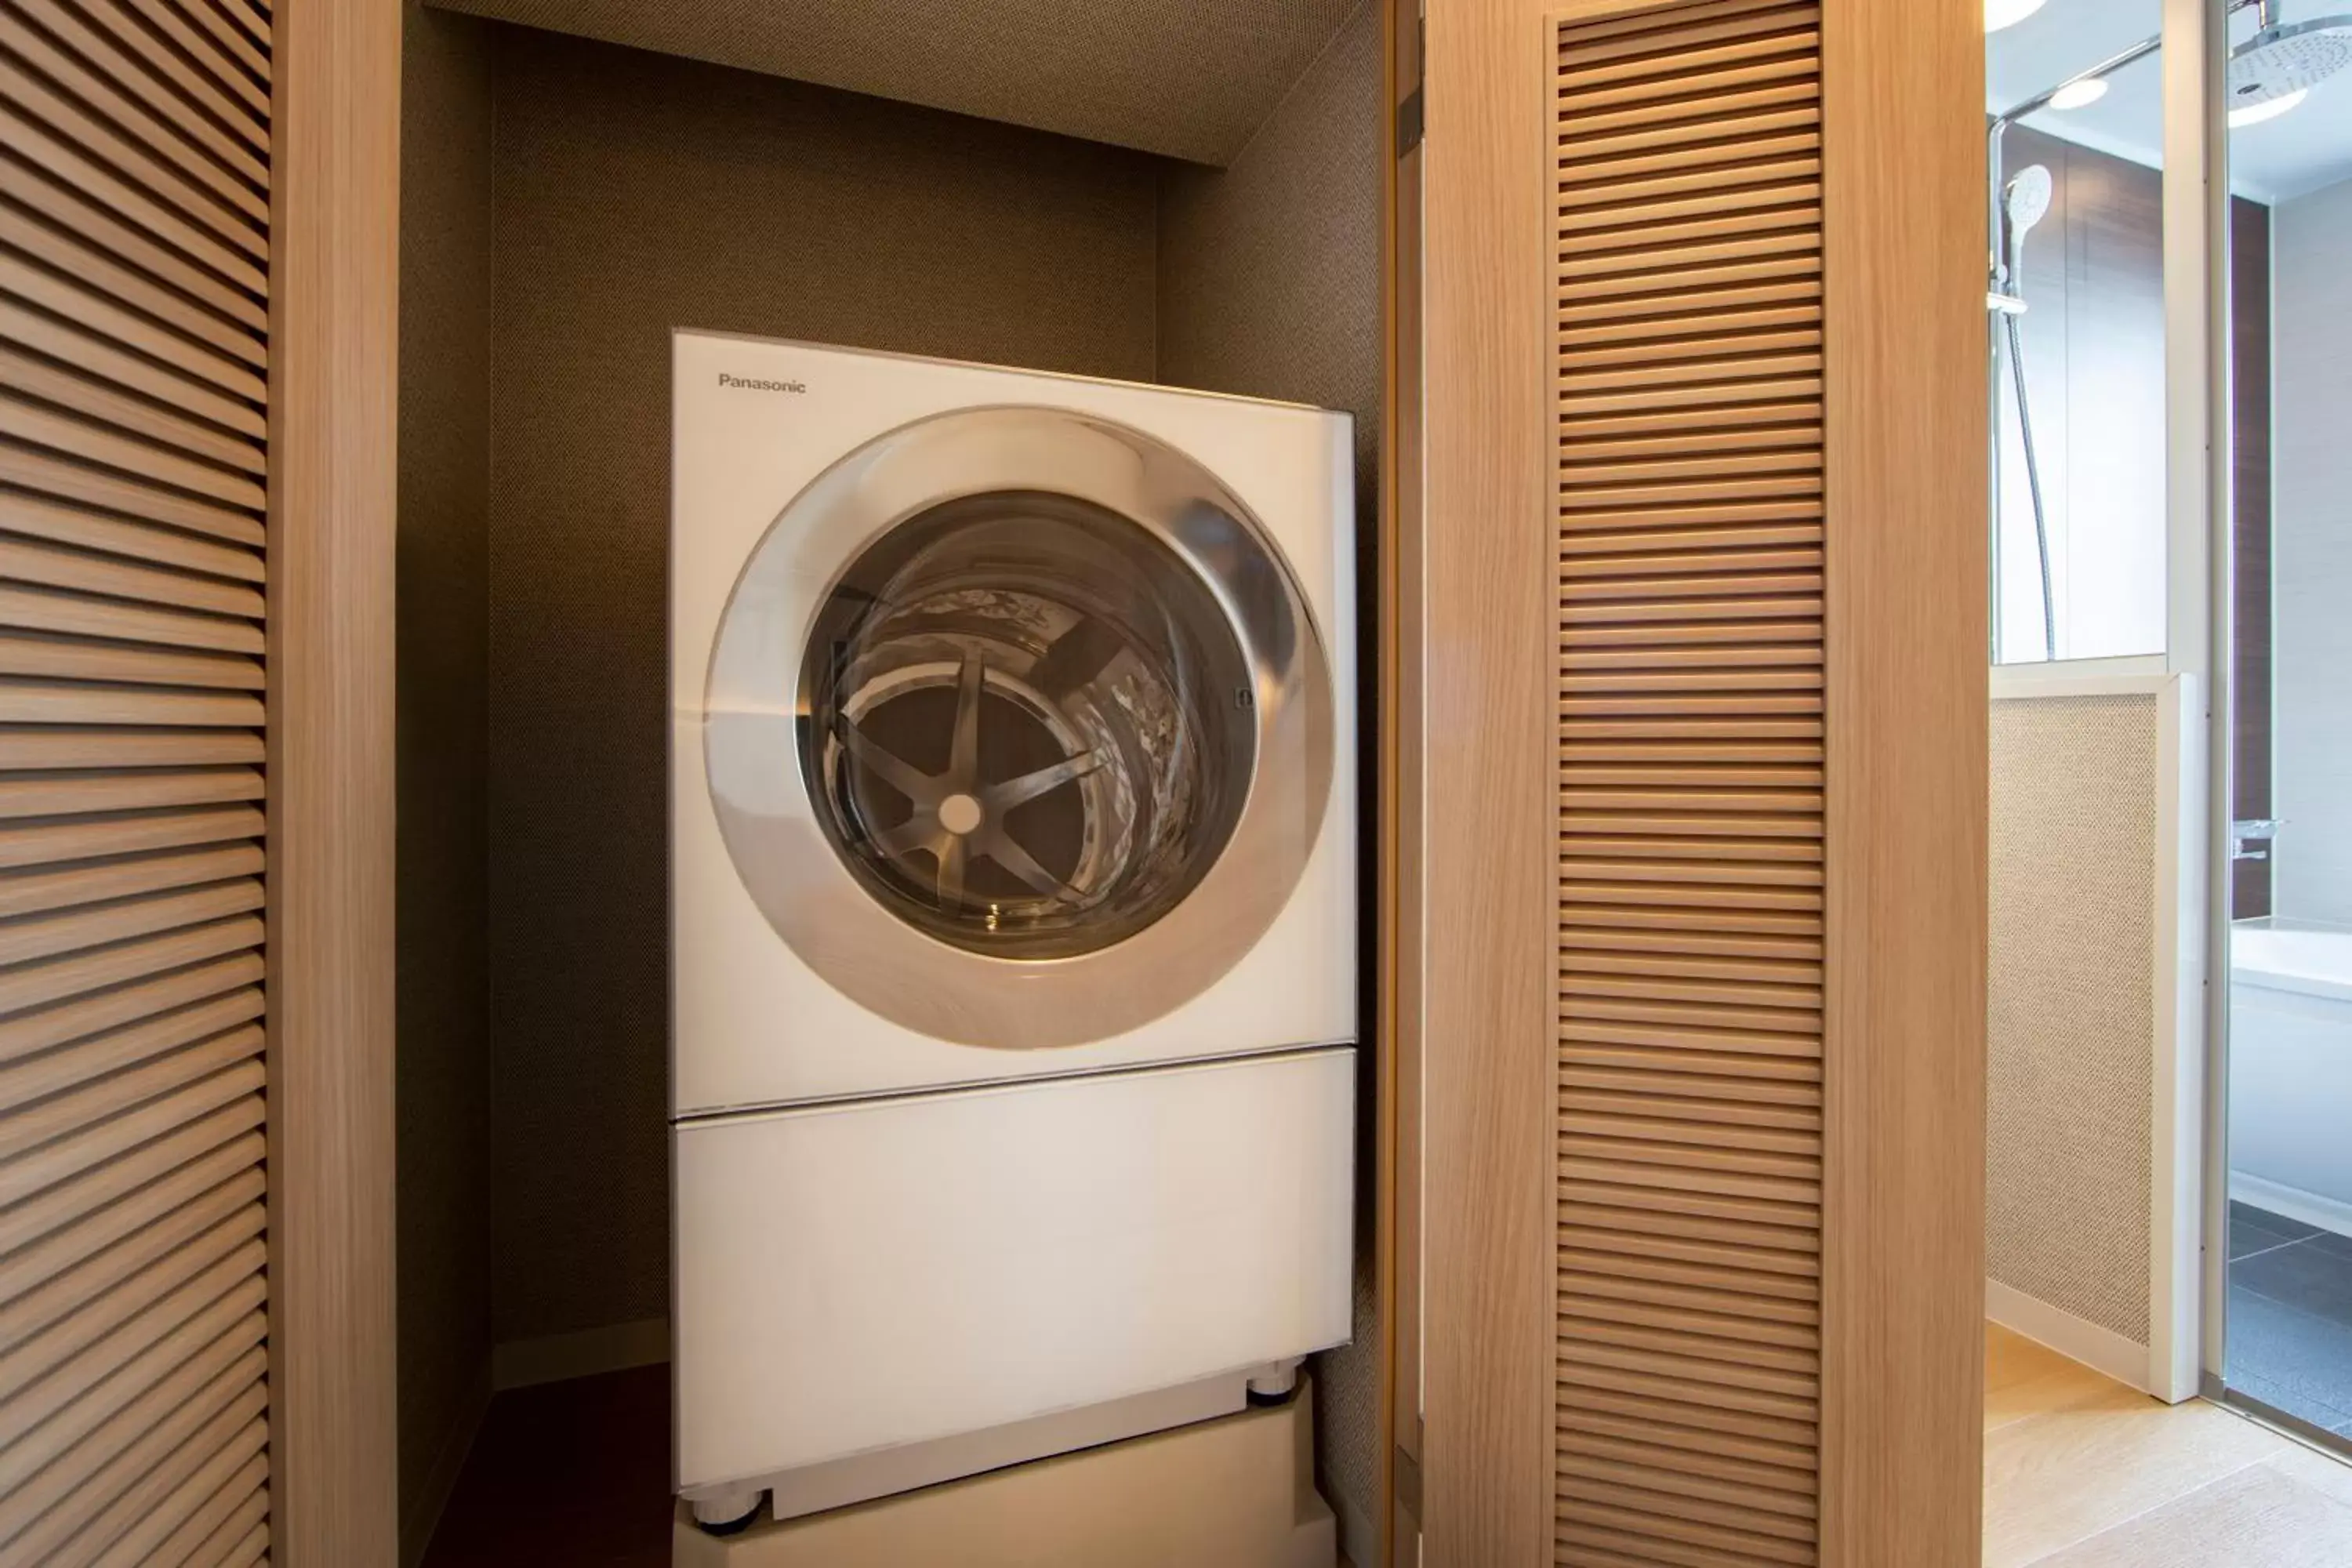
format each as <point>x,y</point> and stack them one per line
<point>2283,1266</point>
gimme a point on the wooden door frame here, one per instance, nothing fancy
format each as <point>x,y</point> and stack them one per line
<point>1907,810</point>
<point>333,392</point>
<point>1903,1042</point>
<point>1397,929</point>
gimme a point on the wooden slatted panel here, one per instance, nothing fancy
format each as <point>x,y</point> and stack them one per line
<point>134,255</point>
<point>1689,374</point>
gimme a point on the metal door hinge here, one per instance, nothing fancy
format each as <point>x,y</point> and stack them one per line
<point>1408,1485</point>
<point>1409,125</point>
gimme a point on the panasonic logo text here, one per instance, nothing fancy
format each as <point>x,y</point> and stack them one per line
<point>756,383</point>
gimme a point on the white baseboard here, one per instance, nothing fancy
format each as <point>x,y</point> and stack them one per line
<point>2294,1203</point>
<point>2102,1350</point>
<point>613,1347</point>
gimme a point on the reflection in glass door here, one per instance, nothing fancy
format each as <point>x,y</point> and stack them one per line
<point>2288,1322</point>
<point>2075,302</point>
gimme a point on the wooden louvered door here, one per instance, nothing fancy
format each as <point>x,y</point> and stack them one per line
<point>134,260</point>
<point>1690,780</point>
<point>1704,840</point>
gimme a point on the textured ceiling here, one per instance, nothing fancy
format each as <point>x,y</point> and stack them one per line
<point>1188,78</point>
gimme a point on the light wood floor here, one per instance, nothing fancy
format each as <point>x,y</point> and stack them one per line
<point>2083,1472</point>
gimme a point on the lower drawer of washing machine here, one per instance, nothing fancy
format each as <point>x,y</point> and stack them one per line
<point>865,1275</point>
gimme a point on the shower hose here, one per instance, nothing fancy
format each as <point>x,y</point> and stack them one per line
<point>2033,486</point>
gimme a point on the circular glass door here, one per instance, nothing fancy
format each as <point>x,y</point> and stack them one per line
<point>1030,728</point>
<point>1017,728</point>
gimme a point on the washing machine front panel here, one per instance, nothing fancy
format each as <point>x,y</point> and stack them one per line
<point>1008,725</point>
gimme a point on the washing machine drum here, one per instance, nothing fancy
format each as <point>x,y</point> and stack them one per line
<point>1018,729</point>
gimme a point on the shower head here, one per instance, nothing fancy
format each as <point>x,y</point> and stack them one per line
<point>2288,61</point>
<point>2024,202</point>
<point>2026,199</point>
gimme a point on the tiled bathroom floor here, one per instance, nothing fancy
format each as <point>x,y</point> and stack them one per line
<point>2290,1322</point>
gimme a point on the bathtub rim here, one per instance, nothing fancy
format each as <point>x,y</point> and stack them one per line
<point>2293,980</point>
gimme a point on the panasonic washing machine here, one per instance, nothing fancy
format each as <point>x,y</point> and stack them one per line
<point>1014,917</point>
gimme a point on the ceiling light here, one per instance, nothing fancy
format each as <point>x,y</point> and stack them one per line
<point>2080,94</point>
<point>2269,108</point>
<point>2000,13</point>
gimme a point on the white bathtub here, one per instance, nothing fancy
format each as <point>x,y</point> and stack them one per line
<point>2291,1072</point>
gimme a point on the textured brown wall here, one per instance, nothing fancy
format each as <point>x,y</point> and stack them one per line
<point>635,193</point>
<point>443,1068</point>
<point>1270,285</point>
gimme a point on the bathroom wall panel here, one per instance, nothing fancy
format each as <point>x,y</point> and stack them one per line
<point>635,193</point>
<point>2250,527</point>
<point>2073,1006</point>
<point>2312,863</point>
<point>135,508</point>
<point>2093,337</point>
<point>2094,342</point>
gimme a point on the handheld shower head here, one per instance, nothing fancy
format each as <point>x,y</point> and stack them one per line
<point>2024,202</point>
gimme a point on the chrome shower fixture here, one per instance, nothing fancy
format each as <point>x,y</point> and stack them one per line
<point>2268,75</point>
<point>2283,61</point>
<point>2024,202</point>
<point>2286,61</point>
